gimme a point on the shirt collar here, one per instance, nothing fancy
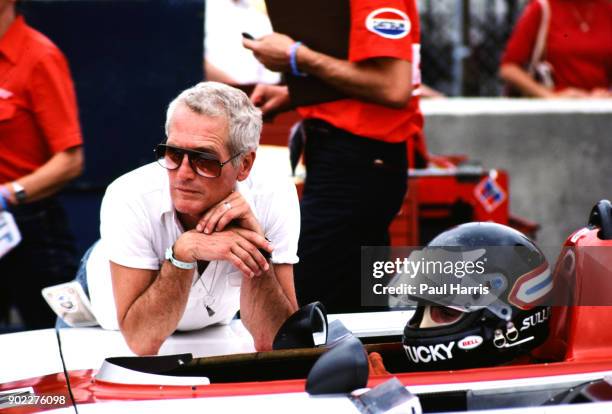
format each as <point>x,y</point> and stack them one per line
<point>11,44</point>
<point>166,204</point>
<point>244,189</point>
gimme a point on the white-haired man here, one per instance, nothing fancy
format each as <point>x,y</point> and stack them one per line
<point>188,244</point>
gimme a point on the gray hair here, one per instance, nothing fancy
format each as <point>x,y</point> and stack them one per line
<point>216,99</point>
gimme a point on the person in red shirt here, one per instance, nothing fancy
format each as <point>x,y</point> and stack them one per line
<point>40,151</point>
<point>578,47</point>
<point>355,145</point>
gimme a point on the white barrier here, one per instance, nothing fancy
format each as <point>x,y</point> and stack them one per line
<point>558,153</point>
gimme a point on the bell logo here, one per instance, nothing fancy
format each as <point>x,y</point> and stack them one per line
<point>470,342</point>
<point>430,353</point>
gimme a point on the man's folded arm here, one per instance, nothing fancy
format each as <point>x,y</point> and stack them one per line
<point>284,276</point>
<point>149,304</point>
<point>264,307</point>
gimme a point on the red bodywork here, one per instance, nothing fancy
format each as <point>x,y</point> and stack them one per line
<point>583,333</point>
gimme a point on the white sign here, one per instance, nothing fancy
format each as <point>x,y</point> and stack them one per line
<point>9,233</point>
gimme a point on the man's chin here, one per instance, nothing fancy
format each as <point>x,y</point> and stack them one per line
<point>190,208</point>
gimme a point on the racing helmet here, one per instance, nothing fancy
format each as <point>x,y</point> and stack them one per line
<point>474,333</point>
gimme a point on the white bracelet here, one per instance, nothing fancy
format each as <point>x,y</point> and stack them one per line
<point>178,263</point>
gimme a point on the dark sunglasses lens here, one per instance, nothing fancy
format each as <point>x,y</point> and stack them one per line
<point>169,157</point>
<point>206,167</point>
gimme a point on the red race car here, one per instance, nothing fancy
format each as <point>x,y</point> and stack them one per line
<point>321,362</point>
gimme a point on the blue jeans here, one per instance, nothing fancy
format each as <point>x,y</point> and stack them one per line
<point>46,256</point>
<point>81,277</point>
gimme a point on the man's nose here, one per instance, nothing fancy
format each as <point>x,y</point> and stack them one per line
<point>185,170</point>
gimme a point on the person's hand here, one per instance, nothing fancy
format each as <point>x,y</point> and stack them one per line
<point>271,99</point>
<point>272,51</point>
<point>235,245</point>
<point>233,208</point>
<point>376,365</point>
<point>571,93</point>
<point>600,93</point>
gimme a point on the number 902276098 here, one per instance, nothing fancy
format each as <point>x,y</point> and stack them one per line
<point>36,399</point>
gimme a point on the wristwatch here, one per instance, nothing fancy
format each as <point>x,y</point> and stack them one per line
<point>20,194</point>
<point>178,263</point>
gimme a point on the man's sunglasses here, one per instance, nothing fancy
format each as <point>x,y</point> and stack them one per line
<point>202,163</point>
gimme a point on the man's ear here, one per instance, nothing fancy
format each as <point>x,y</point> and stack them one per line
<point>246,163</point>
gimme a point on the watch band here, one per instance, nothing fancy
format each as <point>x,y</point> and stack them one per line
<point>178,263</point>
<point>20,193</point>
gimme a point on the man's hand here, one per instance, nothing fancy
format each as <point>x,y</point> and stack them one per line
<point>271,99</point>
<point>272,51</point>
<point>571,93</point>
<point>233,208</point>
<point>383,80</point>
<point>600,93</point>
<point>237,245</point>
<point>581,93</point>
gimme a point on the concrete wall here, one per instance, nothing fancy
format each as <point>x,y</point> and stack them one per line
<point>558,154</point>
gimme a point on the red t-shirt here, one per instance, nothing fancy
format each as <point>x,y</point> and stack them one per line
<point>38,109</point>
<point>580,57</point>
<point>379,28</point>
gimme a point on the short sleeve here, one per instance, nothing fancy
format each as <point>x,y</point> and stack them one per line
<point>520,46</point>
<point>382,28</point>
<point>126,231</point>
<point>54,102</point>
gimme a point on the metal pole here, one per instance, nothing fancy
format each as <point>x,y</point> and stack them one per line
<point>460,49</point>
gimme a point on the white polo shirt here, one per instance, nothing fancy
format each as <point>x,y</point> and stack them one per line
<point>138,223</point>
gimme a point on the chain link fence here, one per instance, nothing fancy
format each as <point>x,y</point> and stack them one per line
<point>462,43</point>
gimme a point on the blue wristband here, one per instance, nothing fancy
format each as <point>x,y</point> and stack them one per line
<point>293,59</point>
<point>3,205</point>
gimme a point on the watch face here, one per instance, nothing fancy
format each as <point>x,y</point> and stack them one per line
<point>20,196</point>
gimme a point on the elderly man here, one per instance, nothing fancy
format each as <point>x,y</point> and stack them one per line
<point>186,241</point>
